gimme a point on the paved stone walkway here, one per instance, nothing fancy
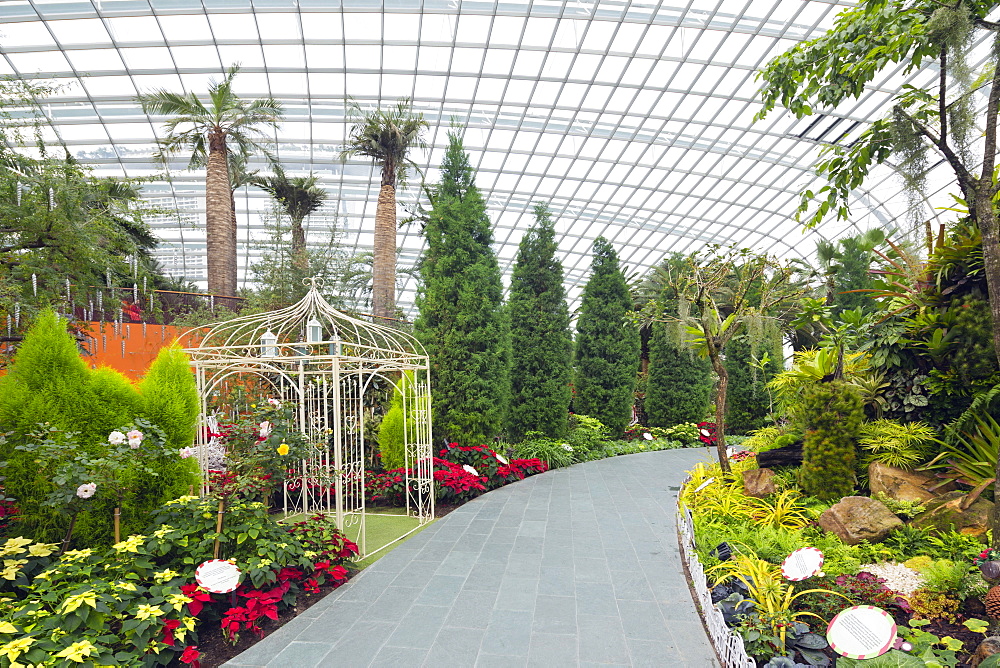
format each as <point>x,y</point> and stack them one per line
<point>574,567</point>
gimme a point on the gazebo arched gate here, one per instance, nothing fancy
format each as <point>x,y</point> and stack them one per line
<point>327,364</point>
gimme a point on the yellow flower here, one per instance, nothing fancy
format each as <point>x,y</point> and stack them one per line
<point>147,611</point>
<point>283,449</point>
<point>178,600</point>
<point>7,627</point>
<point>130,544</point>
<point>77,651</point>
<point>16,648</point>
<point>42,549</point>
<point>163,531</point>
<point>14,546</point>
<point>189,623</point>
<point>74,555</point>
<point>127,586</point>
<point>76,600</point>
<point>11,568</point>
<point>165,576</point>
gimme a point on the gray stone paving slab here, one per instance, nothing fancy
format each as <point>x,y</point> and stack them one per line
<point>574,567</point>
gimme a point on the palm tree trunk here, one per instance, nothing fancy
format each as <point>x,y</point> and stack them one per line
<point>299,258</point>
<point>384,259</point>
<point>220,228</point>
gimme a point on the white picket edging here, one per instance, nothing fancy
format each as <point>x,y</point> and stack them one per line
<point>728,645</point>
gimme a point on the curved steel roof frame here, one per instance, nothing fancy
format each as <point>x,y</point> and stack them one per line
<point>632,119</point>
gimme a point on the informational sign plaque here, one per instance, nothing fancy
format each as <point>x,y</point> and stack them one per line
<point>861,632</point>
<point>802,563</point>
<point>218,576</point>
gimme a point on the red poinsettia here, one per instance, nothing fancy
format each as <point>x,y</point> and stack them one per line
<point>199,598</point>
<point>169,626</point>
<point>191,656</point>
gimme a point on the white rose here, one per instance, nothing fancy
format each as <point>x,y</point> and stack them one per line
<point>116,438</point>
<point>86,490</point>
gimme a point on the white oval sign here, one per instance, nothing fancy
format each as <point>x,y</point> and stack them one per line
<point>502,459</point>
<point>218,576</point>
<point>861,632</point>
<point>802,563</point>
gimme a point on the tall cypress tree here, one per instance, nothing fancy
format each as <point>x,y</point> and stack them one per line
<point>607,348</point>
<point>748,403</point>
<point>541,345</point>
<point>679,387</point>
<point>462,322</point>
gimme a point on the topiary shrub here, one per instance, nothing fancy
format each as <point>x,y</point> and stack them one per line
<point>392,445</point>
<point>831,415</point>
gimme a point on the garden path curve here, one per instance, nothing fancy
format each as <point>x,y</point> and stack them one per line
<point>574,567</point>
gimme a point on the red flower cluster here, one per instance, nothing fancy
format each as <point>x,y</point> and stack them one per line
<point>454,482</point>
<point>707,433</point>
<point>259,603</point>
<point>191,656</point>
<point>199,598</point>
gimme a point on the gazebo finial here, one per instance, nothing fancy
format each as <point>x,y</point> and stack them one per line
<point>314,282</point>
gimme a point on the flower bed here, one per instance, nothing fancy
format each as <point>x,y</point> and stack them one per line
<point>137,604</point>
<point>734,546</point>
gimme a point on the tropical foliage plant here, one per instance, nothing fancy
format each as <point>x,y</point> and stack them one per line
<point>386,137</point>
<point>210,132</point>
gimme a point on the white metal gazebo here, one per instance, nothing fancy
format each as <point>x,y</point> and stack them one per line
<point>326,363</point>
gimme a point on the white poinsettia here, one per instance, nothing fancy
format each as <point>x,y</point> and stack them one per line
<point>502,459</point>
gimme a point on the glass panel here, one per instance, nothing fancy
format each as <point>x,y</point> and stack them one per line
<point>133,29</point>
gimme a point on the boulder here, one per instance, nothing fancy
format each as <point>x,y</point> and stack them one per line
<point>789,455</point>
<point>759,483</point>
<point>858,518</point>
<point>988,647</point>
<point>945,513</point>
<point>904,485</point>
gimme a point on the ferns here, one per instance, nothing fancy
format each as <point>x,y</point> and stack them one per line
<point>895,444</point>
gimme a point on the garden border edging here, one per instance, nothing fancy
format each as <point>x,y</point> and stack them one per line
<point>728,645</point>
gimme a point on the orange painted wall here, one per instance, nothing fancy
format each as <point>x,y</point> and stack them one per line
<point>130,349</point>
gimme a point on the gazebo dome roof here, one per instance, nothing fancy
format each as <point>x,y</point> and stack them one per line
<point>311,321</point>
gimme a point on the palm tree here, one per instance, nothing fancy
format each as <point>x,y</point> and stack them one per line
<point>298,196</point>
<point>385,136</point>
<point>209,131</point>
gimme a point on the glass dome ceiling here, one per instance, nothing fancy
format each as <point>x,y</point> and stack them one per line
<point>632,119</point>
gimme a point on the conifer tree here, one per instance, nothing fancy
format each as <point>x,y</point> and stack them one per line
<point>607,347</point>
<point>679,386</point>
<point>462,322</point>
<point>749,371</point>
<point>541,344</point>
